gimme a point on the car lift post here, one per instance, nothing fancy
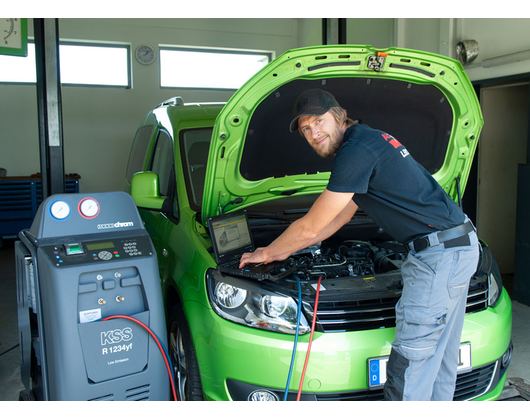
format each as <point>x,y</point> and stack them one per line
<point>333,31</point>
<point>49,106</point>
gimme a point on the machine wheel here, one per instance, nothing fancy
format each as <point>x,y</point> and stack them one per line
<point>26,395</point>
<point>183,358</point>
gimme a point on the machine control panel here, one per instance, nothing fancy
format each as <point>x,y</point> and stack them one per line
<point>74,229</point>
<point>98,251</point>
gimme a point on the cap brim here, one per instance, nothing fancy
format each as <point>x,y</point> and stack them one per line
<point>294,123</point>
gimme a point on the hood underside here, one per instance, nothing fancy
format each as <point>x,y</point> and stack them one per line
<point>417,114</point>
<point>424,100</point>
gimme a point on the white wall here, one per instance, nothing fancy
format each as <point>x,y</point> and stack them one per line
<point>495,37</point>
<point>99,123</point>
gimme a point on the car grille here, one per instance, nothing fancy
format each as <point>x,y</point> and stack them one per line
<point>477,297</point>
<point>475,383</point>
<point>468,386</point>
<point>357,315</point>
<point>369,314</point>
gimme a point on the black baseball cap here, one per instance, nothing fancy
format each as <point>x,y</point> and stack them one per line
<point>311,102</point>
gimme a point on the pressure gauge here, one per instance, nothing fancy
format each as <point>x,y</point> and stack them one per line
<point>60,209</point>
<point>89,208</point>
<point>145,54</point>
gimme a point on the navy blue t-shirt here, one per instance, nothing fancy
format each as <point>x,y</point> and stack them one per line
<point>390,186</point>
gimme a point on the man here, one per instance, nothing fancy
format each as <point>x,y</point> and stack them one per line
<point>374,171</point>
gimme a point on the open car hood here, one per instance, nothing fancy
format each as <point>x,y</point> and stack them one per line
<point>424,100</point>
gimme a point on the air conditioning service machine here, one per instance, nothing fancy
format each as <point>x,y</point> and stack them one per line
<point>91,316</point>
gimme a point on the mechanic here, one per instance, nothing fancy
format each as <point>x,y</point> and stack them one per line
<point>374,171</point>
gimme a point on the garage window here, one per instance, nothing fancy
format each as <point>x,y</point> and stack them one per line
<point>200,68</point>
<point>80,64</point>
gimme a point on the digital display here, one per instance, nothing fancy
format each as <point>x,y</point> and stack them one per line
<point>231,233</point>
<point>99,245</point>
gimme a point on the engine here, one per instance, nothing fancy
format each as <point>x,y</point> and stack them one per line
<point>349,259</point>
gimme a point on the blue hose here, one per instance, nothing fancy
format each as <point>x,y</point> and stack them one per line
<point>298,316</point>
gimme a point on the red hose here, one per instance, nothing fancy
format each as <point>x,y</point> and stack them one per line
<point>157,343</point>
<point>310,340</point>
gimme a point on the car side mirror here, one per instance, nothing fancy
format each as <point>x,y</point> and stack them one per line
<point>145,191</point>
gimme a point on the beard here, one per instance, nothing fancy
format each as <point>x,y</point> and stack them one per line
<point>330,147</point>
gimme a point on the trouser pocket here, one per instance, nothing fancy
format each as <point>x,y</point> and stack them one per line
<point>464,266</point>
<point>421,331</point>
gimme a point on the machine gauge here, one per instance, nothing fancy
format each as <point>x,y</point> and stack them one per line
<point>60,209</point>
<point>89,208</point>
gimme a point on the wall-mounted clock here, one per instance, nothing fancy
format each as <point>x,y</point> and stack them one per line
<point>145,54</point>
<point>14,36</point>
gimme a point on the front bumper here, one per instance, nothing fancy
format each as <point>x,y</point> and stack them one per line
<point>482,383</point>
<point>235,360</point>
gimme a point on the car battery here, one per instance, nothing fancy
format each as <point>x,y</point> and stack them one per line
<point>85,259</point>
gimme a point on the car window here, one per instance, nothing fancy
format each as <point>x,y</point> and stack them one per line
<point>195,145</point>
<point>163,161</point>
<point>138,151</point>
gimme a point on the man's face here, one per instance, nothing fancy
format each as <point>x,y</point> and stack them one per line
<point>323,133</point>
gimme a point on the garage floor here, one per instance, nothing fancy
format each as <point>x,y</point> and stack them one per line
<point>517,386</point>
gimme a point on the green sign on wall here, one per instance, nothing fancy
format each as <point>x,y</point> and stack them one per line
<point>14,36</point>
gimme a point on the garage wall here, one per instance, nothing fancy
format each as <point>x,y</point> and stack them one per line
<point>496,37</point>
<point>99,123</point>
<point>502,147</point>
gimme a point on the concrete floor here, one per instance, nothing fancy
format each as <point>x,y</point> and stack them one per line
<point>10,383</point>
<point>517,387</point>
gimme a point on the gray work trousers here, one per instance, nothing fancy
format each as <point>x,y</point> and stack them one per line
<point>429,320</point>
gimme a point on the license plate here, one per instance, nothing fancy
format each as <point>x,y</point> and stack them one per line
<point>377,366</point>
<point>377,372</point>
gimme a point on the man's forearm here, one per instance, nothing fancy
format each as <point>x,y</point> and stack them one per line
<point>296,238</point>
<point>327,215</point>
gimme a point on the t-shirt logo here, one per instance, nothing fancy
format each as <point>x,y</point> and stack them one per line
<point>404,152</point>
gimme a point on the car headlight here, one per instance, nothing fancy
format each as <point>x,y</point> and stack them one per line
<point>229,296</point>
<point>494,286</point>
<point>489,269</point>
<point>494,278</point>
<point>248,303</point>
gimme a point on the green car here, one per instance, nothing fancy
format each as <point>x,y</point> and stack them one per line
<point>243,337</point>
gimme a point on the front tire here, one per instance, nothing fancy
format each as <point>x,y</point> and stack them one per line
<point>183,358</point>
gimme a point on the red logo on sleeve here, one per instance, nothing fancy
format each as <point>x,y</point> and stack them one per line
<point>392,140</point>
<point>404,152</point>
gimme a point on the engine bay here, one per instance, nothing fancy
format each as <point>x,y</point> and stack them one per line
<point>371,262</point>
<point>359,280</point>
<point>349,259</point>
